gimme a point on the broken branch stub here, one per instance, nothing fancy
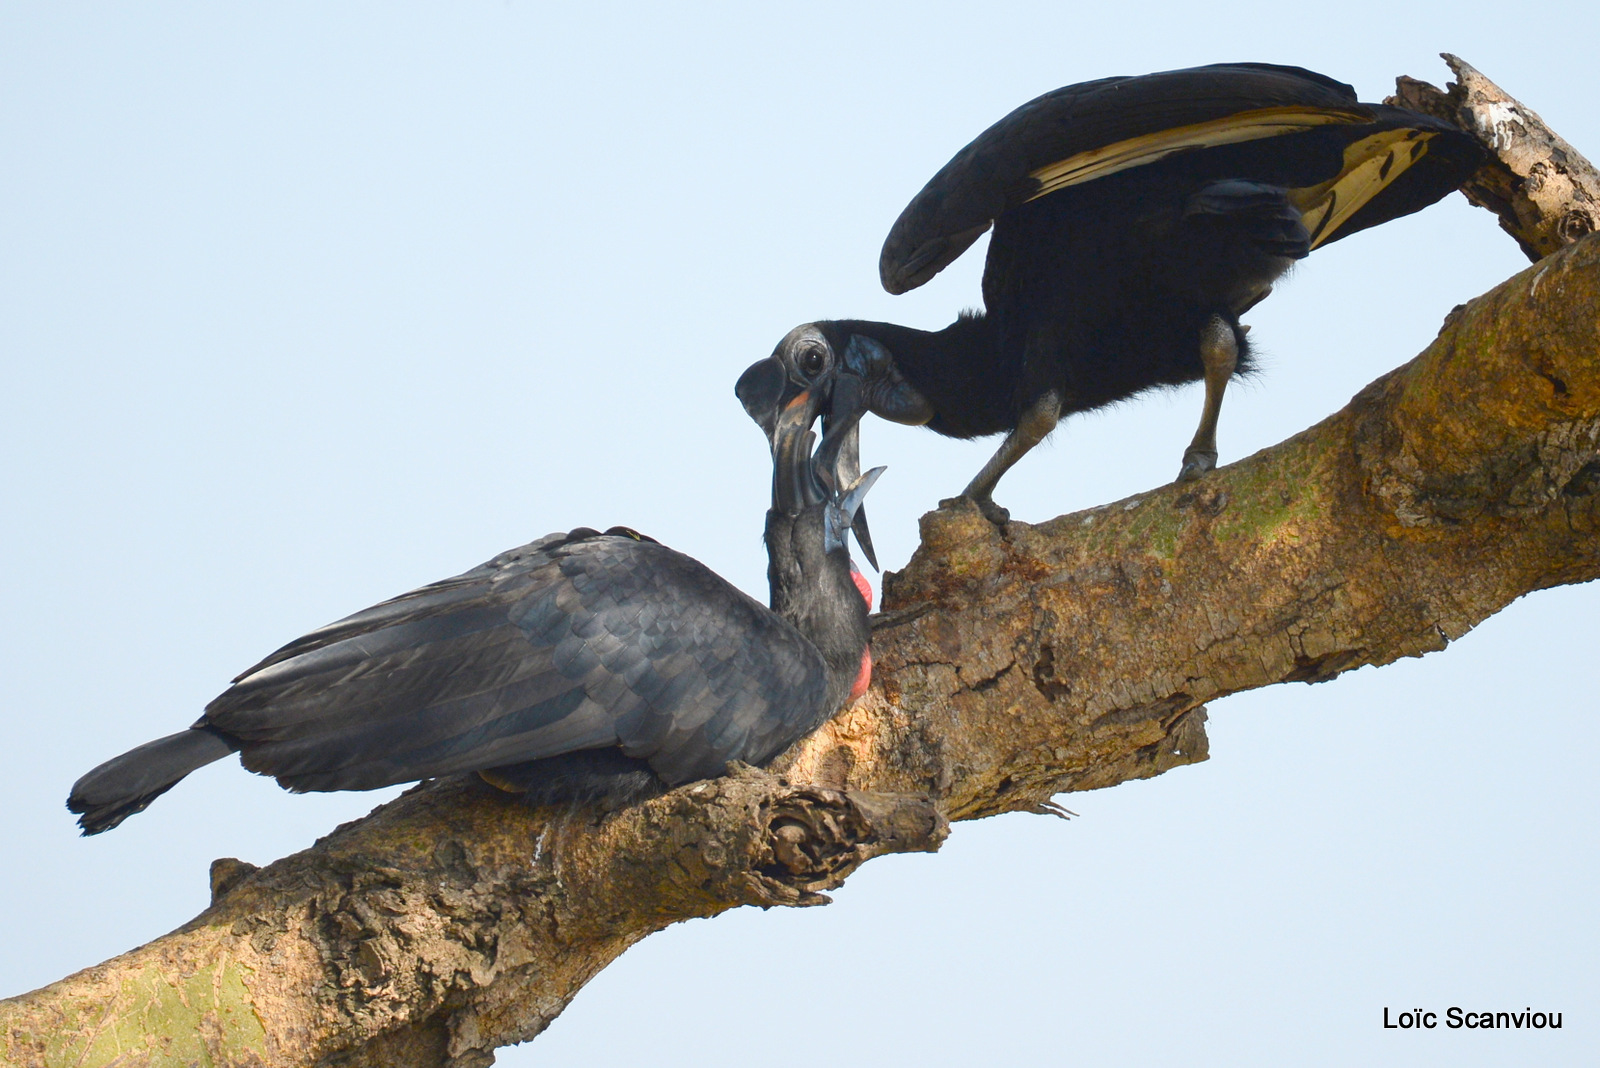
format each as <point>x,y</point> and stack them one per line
<point>1544,192</point>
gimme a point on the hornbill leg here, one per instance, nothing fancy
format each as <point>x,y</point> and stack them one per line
<point>1219,352</point>
<point>1037,422</point>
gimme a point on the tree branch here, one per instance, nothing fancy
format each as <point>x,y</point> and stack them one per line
<point>1011,666</point>
<point>1546,194</point>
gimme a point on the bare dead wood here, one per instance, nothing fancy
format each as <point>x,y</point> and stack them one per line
<point>1012,665</point>
<point>1544,192</point>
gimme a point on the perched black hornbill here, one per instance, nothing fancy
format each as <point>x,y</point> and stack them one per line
<point>583,666</point>
<point>1135,220</point>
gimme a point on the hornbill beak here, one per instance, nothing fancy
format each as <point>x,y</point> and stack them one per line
<point>797,482</point>
<point>845,508</point>
<point>795,485</point>
<point>765,390</point>
<point>839,456</point>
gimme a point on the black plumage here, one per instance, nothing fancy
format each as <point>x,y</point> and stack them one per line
<point>1135,220</point>
<point>582,666</point>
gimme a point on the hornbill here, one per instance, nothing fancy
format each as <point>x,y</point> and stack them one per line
<point>584,666</point>
<point>1135,220</point>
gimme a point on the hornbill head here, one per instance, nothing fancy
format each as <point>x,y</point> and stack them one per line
<point>840,378</point>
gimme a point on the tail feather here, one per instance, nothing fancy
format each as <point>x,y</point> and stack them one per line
<point>127,784</point>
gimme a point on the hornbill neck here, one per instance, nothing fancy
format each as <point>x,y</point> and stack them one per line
<point>813,590</point>
<point>960,378</point>
<point>919,353</point>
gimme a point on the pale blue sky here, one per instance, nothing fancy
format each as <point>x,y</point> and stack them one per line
<point>303,305</point>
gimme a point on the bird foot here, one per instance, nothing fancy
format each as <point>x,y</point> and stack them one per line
<point>991,511</point>
<point>1197,462</point>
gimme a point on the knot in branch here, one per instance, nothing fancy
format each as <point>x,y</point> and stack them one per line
<point>813,838</point>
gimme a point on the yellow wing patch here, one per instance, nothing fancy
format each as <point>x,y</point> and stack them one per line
<point>1138,151</point>
<point>1370,164</point>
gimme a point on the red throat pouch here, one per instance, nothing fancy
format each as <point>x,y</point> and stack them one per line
<point>864,676</point>
<point>862,584</point>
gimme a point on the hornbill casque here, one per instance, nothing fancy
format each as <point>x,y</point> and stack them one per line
<point>584,666</point>
<point>1135,220</point>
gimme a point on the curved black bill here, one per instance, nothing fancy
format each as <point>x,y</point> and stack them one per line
<point>794,479</point>
<point>764,389</point>
<point>845,507</point>
<point>839,456</point>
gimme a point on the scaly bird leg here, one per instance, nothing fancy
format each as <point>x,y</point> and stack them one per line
<point>1219,352</point>
<point>1040,418</point>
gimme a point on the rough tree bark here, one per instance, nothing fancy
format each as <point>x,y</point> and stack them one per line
<point>1011,666</point>
<point>1545,193</point>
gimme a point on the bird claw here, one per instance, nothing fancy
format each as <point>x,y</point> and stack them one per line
<point>1196,463</point>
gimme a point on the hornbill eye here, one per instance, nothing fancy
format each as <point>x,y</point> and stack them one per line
<point>811,361</point>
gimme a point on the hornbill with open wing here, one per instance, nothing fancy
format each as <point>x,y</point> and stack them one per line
<point>583,666</point>
<point>1135,220</point>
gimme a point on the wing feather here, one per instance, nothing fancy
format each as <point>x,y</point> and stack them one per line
<point>1096,129</point>
<point>572,642</point>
